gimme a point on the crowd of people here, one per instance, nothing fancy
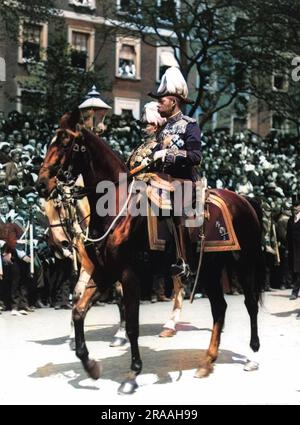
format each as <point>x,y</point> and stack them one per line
<point>265,169</point>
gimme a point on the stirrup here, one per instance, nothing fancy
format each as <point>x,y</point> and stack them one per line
<point>180,269</point>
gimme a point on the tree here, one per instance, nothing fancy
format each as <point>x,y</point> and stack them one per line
<point>233,46</point>
<point>55,86</point>
<point>11,11</point>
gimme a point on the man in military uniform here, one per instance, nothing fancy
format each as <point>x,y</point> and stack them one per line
<point>179,137</point>
<point>293,239</point>
<point>179,149</point>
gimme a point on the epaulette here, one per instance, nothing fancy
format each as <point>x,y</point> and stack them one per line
<point>188,119</point>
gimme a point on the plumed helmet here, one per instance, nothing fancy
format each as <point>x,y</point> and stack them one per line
<point>151,115</point>
<point>172,84</point>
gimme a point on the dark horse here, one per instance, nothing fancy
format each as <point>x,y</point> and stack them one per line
<point>116,257</point>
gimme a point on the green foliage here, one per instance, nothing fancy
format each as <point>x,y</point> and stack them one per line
<point>34,10</point>
<point>238,44</point>
<point>54,86</point>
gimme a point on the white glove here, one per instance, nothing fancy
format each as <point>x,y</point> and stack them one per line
<point>160,155</point>
<point>145,161</point>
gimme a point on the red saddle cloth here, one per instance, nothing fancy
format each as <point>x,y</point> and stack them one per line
<point>218,227</point>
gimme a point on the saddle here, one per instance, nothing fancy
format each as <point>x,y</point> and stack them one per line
<point>205,207</point>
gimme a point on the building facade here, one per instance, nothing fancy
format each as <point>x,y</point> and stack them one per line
<point>131,67</point>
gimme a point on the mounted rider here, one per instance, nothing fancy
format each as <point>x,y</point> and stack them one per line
<point>180,137</point>
<point>179,141</point>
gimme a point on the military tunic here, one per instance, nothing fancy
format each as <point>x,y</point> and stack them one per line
<point>182,137</point>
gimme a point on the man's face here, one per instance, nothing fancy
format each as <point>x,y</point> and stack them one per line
<point>4,208</point>
<point>296,209</point>
<point>166,106</point>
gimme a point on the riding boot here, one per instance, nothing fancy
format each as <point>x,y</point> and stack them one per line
<point>181,268</point>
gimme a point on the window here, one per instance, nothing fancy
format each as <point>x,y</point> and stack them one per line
<point>166,7</point>
<point>127,106</point>
<point>82,42</point>
<point>124,6</point>
<point>165,59</point>
<point>280,82</point>
<point>27,99</point>
<point>239,124</point>
<point>33,42</point>
<point>128,58</point>
<point>89,4</point>
<point>280,124</point>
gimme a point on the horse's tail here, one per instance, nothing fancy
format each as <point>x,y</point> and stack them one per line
<point>259,281</point>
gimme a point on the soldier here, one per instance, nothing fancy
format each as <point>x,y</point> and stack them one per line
<point>293,238</point>
<point>152,122</point>
<point>179,149</point>
<point>183,152</point>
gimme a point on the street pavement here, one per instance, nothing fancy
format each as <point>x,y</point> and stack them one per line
<point>37,366</point>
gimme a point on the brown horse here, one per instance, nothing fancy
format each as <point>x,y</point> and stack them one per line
<point>68,218</point>
<point>119,243</point>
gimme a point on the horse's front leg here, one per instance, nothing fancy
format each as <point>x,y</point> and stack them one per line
<point>119,338</point>
<point>170,325</point>
<point>82,303</point>
<point>131,291</point>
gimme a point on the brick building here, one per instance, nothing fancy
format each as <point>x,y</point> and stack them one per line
<point>131,67</point>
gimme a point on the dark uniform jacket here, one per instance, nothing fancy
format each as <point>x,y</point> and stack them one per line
<point>185,149</point>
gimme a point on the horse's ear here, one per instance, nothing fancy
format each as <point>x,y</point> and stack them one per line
<point>70,120</point>
<point>74,118</point>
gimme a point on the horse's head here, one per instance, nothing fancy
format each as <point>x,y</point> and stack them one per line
<point>57,163</point>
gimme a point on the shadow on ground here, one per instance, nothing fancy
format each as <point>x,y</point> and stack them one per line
<point>286,313</point>
<point>159,363</point>
<point>107,332</point>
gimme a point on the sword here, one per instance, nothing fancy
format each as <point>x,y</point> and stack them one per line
<point>202,238</point>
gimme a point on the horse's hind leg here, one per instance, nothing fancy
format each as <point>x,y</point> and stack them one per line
<point>119,338</point>
<point>131,301</point>
<point>170,325</point>
<point>248,277</point>
<point>80,308</point>
<point>218,304</point>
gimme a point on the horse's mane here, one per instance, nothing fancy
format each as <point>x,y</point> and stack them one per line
<point>103,143</point>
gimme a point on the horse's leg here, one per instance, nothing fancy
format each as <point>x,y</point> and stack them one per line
<point>218,304</point>
<point>80,308</point>
<point>86,271</point>
<point>131,290</point>
<point>120,338</point>
<point>248,277</point>
<point>170,325</point>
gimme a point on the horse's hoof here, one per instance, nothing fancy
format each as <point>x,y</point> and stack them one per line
<point>250,366</point>
<point>127,387</point>
<point>203,372</point>
<point>93,369</point>
<point>167,333</point>
<point>255,345</point>
<point>118,342</point>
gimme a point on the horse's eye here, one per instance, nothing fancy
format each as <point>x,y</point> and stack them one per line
<point>65,142</point>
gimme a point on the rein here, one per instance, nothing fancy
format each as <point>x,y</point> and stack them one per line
<point>75,148</point>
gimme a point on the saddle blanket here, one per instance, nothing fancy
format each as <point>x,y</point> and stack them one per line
<point>218,228</point>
